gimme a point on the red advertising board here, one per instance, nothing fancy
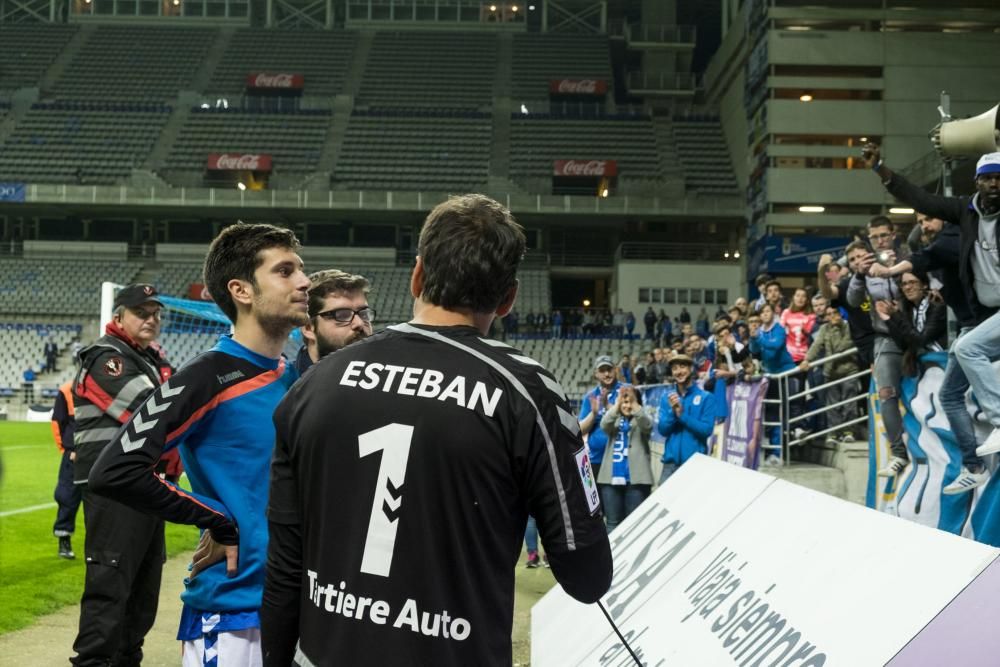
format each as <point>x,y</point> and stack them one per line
<point>275,81</point>
<point>239,162</point>
<point>198,292</point>
<point>585,168</point>
<point>590,87</point>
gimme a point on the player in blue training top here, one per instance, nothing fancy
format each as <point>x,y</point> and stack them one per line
<point>217,410</point>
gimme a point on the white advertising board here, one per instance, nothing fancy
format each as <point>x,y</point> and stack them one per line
<point>727,566</point>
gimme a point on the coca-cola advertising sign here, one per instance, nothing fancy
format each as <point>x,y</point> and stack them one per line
<point>275,81</point>
<point>239,162</point>
<point>585,168</point>
<point>589,87</point>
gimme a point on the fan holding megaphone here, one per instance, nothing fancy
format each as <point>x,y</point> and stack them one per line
<point>975,266</point>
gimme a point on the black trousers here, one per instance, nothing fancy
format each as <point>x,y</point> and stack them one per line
<point>125,552</point>
<point>68,496</point>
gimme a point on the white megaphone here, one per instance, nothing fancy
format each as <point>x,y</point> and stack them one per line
<point>968,136</point>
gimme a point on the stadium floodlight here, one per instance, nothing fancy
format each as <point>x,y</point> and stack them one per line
<point>531,8</point>
<point>241,185</point>
<point>736,255</point>
<point>811,209</point>
<point>524,109</point>
<point>901,210</point>
<point>806,97</point>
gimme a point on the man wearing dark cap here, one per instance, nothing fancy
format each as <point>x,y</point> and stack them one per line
<point>124,548</point>
<point>594,405</point>
<point>687,417</point>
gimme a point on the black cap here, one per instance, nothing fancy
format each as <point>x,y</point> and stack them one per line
<point>137,294</point>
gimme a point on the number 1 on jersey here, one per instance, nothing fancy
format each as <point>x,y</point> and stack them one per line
<point>393,441</point>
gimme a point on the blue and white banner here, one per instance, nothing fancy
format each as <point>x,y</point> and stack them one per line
<point>12,192</point>
<point>935,461</point>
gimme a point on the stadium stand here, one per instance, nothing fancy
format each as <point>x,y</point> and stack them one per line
<point>572,360</point>
<point>538,140</point>
<point>399,150</point>
<point>21,347</point>
<point>50,286</point>
<point>27,51</point>
<point>701,149</point>
<point>294,140</point>
<point>424,69</point>
<point>322,57</point>
<point>175,278</point>
<point>183,347</point>
<point>538,59</point>
<point>81,142</point>
<point>137,63</point>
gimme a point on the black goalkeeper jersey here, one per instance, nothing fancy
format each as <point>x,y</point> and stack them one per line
<point>409,463</point>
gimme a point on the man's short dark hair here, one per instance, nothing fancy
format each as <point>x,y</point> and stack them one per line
<point>773,282</point>
<point>880,221</point>
<point>470,247</point>
<point>235,255</point>
<point>333,281</point>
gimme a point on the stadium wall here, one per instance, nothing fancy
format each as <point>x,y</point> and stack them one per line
<point>630,277</point>
<point>887,84</point>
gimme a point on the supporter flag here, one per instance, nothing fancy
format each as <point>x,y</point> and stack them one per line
<point>737,440</point>
<point>741,436</point>
<point>651,395</point>
<point>935,461</point>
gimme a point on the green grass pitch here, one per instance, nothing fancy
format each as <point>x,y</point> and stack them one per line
<point>35,582</point>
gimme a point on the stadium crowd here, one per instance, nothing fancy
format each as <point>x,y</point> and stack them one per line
<point>881,305</point>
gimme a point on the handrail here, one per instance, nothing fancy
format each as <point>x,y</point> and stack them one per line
<point>785,420</point>
<point>812,364</point>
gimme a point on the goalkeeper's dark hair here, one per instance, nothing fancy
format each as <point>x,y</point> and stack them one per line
<point>235,254</point>
<point>470,247</point>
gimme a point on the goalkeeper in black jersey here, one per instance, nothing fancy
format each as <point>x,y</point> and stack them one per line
<point>406,466</point>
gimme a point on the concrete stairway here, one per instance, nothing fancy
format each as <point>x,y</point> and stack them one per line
<point>66,56</point>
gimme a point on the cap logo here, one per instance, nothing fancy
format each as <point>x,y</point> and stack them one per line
<point>148,289</point>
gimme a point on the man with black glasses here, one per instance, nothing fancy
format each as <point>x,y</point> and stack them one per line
<point>339,315</point>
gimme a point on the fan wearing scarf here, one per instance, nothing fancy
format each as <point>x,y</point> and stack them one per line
<point>627,481</point>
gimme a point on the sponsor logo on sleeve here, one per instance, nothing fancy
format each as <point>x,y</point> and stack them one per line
<point>114,366</point>
<point>587,478</point>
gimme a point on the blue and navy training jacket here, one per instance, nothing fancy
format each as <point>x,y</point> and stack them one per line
<point>217,410</point>
<point>687,434</point>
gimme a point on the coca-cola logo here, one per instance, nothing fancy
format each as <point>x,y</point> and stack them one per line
<point>595,87</point>
<point>583,86</point>
<point>279,81</point>
<point>239,162</point>
<point>585,168</point>
<point>273,81</point>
